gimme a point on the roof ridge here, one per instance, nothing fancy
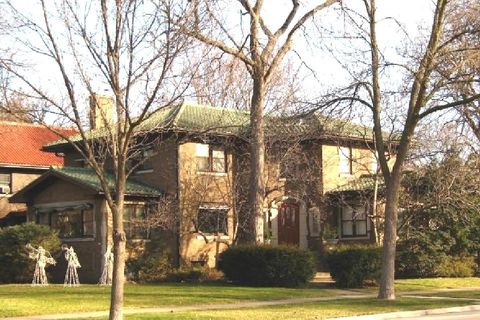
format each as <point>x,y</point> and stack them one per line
<point>35,125</point>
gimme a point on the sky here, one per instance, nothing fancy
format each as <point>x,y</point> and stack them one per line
<point>324,70</point>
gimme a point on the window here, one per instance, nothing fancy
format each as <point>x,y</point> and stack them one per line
<point>212,220</point>
<point>70,223</point>
<point>134,222</point>
<point>5,183</point>
<point>345,164</point>
<point>80,162</point>
<point>142,159</point>
<point>210,158</point>
<point>353,221</point>
<point>147,155</point>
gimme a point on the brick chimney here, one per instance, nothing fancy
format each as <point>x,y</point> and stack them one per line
<point>101,111</point>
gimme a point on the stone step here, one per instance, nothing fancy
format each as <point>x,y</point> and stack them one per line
<point>323,277</point>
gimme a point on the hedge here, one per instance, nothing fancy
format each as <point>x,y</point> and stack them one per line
<point>281,266</point>
<point>350,267</point>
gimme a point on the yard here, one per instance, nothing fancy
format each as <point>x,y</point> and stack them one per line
<point>22,300</point>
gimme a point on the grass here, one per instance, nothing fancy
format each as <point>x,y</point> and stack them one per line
<point>458,294</point>
<point>436,283</point>
<point>23,300</point>
<point>317,310</point>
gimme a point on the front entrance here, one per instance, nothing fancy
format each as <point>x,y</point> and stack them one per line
<point>288,224</point>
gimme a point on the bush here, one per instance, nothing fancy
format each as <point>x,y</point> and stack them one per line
<point>268,265</point>
<point>421,254</point>
<point>15,264</point>
<point>194,274</point>
<point>154,264</point>
<point>457,267</point>
<point>350,266</point>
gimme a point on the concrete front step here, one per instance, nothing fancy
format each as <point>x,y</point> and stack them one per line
<point>323,277</point>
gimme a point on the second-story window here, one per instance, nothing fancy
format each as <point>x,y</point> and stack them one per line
<point>346,160</point>
<point>147,155</point>
<point>210,158</point>
<point>5,183</point>
<point>142,160</point>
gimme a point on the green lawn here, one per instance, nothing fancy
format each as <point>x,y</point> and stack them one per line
<point>436,283</point>
<point>458,294</point>
<point>317,310</point>
<point>21,300</point>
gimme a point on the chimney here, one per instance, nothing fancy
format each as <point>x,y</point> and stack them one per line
<point>101,111</point>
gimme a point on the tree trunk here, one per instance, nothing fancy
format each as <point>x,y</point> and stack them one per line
<point>119,241</point>
<point>257,160</point>
<point>387,285</point>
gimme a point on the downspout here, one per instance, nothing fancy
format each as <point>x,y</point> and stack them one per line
<point>374,211</point>
<point>178,204</point>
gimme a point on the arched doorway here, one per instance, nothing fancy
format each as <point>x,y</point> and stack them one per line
<point>289,223</point>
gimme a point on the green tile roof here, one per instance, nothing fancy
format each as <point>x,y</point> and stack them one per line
<point>199,118</point>
<point>363,183</point>
<point>88,178</point>
<point>206,119</point>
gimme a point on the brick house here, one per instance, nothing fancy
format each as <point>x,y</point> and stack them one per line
<point>22,160</point>
<point>197,155</point>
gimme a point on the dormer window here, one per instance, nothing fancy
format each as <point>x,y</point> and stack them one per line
<point>210,158</point>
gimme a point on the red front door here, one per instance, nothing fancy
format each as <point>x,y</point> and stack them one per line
<point>288,224</point>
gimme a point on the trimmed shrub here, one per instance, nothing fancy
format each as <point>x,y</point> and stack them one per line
<point>268,265</point>
<point>15,264</point>
<point>457,267</point>
<point>351,266</point>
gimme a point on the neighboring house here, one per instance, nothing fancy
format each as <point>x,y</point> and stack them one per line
<point>197,157</point>
<point>22,160</point>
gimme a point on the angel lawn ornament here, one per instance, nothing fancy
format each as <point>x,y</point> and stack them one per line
<point>71,276</point>
<point>43,258</point>
<point>106,278</point>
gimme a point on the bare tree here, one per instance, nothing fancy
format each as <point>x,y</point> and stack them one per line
<point>262,56</point>
<point>126,47</point>
<point>465,20</point>
<point>426,89</point>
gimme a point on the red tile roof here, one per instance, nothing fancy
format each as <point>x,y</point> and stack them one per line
<point>21,143</point>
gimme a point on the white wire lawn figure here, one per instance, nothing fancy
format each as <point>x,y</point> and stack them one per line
<point>106,278</point>
<point>71,276</point>
<point>43,258</point>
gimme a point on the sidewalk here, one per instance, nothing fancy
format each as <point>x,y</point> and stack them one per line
<point>343,294</point>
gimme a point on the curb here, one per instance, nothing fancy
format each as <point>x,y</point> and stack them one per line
<point>409,314</point>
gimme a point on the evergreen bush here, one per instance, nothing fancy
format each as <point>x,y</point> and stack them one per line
<point>15,264</point>
<point>351,266</point>
<point>281,266</point>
